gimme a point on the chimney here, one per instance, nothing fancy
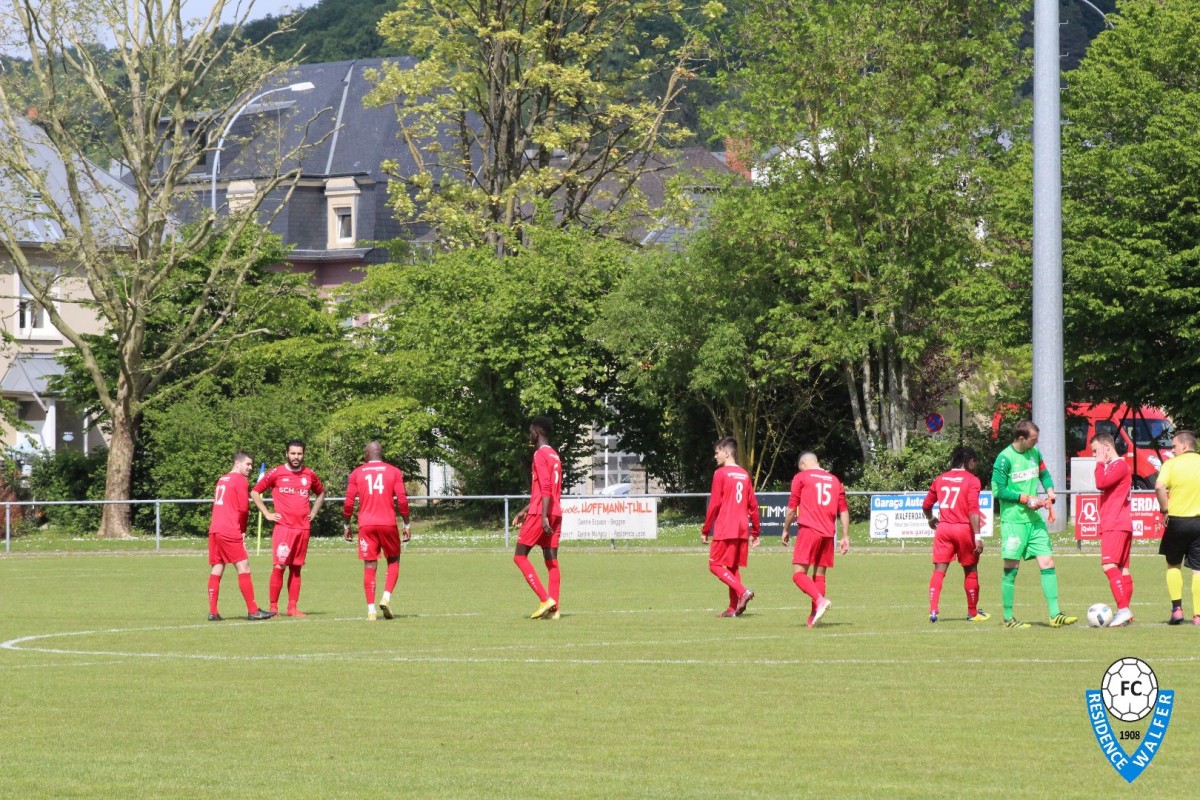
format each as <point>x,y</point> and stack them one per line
<point>737,156</point>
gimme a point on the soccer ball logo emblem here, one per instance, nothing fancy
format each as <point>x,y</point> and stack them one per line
<point>1129,689</point>
<point>282,552</point>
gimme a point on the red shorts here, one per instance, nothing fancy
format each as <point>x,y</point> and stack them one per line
<point>372,539</point>
<point>1114,547</point>
<point>226,548</point>
<point>728,552</point>
<point>289,545</point>
<point>532,535</point>
<point>954,541</point>
<point>813,549</point>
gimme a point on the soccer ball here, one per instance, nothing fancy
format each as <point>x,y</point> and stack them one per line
<point>1099,615</point>
<point>1129,689</point>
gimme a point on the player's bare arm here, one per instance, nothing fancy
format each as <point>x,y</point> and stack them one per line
<point>316,507</point>
<point>976,526</point>
<point>273,516</point>
<point>546,516</point>
<point>405,534</point>
<point>844,547</point>
<point>788,519</point>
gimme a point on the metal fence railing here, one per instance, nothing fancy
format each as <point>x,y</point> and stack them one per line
<point>510,502</point>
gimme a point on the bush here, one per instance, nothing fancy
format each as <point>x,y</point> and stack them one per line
<point>69,475</point>
<point>913,469</point>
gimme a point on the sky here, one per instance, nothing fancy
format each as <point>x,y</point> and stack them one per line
<point>262,8</point>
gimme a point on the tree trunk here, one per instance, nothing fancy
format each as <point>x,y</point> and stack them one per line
<point>116,521</point>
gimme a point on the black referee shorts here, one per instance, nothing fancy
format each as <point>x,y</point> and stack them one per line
<point>1181,541</point>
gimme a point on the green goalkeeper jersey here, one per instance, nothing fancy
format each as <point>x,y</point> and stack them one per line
<point>1015,474</point>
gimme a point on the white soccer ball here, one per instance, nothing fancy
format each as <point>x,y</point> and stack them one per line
<point>1129,689</point>
<point>1099,615</point>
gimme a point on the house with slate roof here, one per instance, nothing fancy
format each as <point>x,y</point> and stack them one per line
<point>27,363</point>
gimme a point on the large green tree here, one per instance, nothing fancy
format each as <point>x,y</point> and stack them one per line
<point>523,102</point>
<point>483,343</point>
<point>698,330</point>
<point>154,102</point>
<point>870,125</point>
<point>1131,210</point>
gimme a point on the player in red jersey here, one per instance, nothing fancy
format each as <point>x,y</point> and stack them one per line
<point>1114,481</point>
<point>540,523</point>
<point>226,532</point>
<point>379,488</point>
<point>732,521</point>
<point>956,530</point>
<point>290,485</point>
<point>817,501</point>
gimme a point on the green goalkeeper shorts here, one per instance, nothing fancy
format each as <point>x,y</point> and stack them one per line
<point>1023,541</point>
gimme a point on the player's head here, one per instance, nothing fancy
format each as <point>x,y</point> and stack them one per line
<point>963,458</point>
<point>540,428</point>
<point>373,450</point>
<point>808,460</point>
<point>1183,442</point>
<point>1102,445</point>
<point>243,462</point>
<point>725,451</point>
<point>295,453</point>
<point>1025,433</point>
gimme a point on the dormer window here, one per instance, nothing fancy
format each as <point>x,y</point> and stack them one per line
<point>341,198</point>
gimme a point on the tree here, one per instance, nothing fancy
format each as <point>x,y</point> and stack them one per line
<point>521,102</point>
<point>1131,228</point>
<point>871,123</point>
<point>161,95</point>
<point>484,344</point>
<point>696,328</point>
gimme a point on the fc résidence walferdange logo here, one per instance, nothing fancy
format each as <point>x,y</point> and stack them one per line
<point>1129,693</point>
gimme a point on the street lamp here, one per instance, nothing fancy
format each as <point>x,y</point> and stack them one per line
<point>305,86</point>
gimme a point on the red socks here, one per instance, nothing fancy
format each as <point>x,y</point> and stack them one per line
<point>246,584</point>
<point>393,575</point>
<point>935,590</point>
<point>1121,586</point>
<point>971,586</point>
<point>276,586</point>
<point>553,578</point>
<point>369,584</point>
<point>727,577</point>
<point>293,586</point>
<point>214,589</point>
<point>531,577</point>
<point>806,585</point>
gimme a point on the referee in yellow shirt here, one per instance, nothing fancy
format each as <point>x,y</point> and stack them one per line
<point>1179,485</point>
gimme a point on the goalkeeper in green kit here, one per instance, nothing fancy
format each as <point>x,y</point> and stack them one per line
<point>1018,472</point>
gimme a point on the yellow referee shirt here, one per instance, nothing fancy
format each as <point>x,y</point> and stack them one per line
<point>1181,476</point>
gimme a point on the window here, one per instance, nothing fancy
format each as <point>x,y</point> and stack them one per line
<point>341,198</point>
<point>32,319</point>
<point>345,224</point>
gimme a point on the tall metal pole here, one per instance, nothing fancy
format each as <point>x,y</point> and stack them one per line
<point>1049,406</point>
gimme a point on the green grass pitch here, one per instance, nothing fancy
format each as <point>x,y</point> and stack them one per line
<point>114,685</point>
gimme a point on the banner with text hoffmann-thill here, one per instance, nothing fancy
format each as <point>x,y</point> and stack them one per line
<point>610,518</point>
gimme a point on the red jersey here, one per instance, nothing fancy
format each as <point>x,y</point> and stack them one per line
<point>379,488</point>
<point>732,508</point>
<point>547,481</point>
<point>956,494</point>
<point>231,505</point>
<point>290,491</point>
<point>1114,482</point>
<point>817,497</point>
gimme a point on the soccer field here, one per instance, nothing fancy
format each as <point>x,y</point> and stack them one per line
<point>114,685</point>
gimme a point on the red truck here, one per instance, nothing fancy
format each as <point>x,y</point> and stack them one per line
<point>1143,435</point>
